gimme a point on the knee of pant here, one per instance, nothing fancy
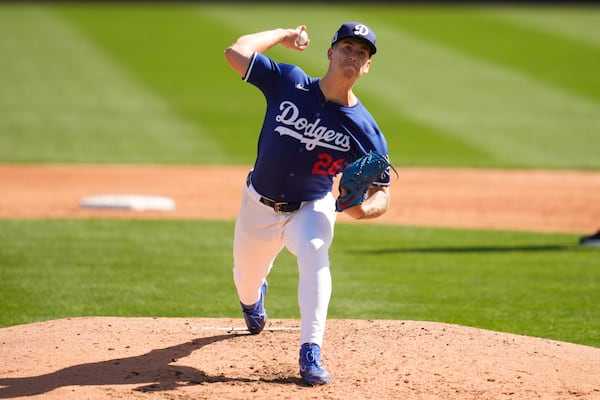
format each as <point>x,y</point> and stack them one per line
<point>315,252</point>
<point>316,245</point>
<point>302,244</point>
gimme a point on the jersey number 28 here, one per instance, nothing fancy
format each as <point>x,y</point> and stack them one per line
<point>326,165</point>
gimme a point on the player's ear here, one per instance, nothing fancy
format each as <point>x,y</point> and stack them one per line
<point>329,52</point>
<point>366,67</point>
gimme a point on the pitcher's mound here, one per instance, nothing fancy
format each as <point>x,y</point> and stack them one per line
<point>175,358</point>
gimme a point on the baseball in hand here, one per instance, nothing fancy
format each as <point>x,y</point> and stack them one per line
<point>303,39</point>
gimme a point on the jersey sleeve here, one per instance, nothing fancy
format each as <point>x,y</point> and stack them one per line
<point>269,76</point>
<point>262,72</point>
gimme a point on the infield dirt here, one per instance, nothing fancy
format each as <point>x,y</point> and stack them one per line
<point>543,201</point>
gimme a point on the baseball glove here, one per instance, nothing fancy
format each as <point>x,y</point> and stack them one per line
<point>358,176</point>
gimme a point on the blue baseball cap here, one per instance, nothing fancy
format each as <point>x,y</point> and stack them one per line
<point>357,30</point>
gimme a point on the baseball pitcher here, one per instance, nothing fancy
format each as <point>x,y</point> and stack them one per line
<point>313,129</point>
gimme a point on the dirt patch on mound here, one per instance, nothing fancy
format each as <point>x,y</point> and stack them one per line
<point>544,201</point>
<point>145,358</point>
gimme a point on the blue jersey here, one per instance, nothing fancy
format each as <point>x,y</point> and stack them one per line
<point>305,140</point>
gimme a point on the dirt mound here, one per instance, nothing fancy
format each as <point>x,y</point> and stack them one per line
<point>174,358</point>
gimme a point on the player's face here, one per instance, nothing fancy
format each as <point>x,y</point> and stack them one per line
<point>352,56</point>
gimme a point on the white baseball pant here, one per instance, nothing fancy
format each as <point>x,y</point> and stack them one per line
<point>261,234</point>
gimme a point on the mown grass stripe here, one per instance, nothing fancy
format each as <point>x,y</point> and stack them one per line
<point>68,101</point>
<point>513,116</point>
<point>478,31</point>
<point>576,23</point>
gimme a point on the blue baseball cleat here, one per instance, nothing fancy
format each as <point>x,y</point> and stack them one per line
<point>256,315</point>
<point>311,367</point>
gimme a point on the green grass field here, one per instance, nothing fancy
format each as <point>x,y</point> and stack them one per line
<point>466,86</point>
<point>484,87</point>
<point>535,284</point>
